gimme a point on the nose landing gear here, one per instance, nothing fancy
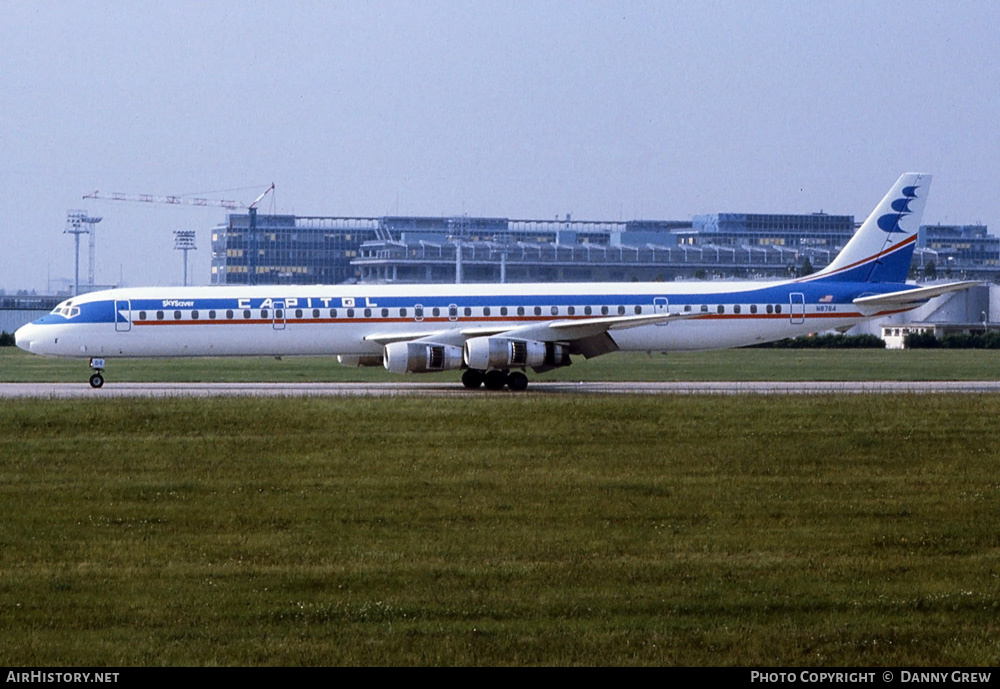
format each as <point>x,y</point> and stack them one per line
<point>97,380</point>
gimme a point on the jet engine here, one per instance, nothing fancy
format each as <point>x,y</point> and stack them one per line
<point>420,357</point>
<point>485,353</point>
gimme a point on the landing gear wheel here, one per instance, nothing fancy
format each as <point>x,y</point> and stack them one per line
<point>495,380</point>
<point>96,380</point>
<point>517,381</point>
<point>473,378</point>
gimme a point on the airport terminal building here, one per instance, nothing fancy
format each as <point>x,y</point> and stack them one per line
<point>286,249</point>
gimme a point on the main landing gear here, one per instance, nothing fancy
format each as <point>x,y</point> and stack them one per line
<point>97,380</point>
<point>494,379</point>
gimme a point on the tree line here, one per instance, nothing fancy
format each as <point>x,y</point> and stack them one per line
<point>827,341</point>
<point>974,340</point>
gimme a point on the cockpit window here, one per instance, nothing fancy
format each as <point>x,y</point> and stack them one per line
<point>66,310</point>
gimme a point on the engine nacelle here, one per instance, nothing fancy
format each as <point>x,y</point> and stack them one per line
<point>485,353</point>
<point>420,357</point>
<point>359,360</point>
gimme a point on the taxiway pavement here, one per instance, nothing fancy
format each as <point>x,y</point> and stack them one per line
<point>410,389</point>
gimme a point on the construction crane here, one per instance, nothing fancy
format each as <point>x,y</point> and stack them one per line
<point>252,251</point>
<point>177,200</point>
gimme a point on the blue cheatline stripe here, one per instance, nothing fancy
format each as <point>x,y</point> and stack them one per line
<point>814,290</point>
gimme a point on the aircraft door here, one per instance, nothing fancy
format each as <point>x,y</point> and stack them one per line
<point>661,306</point>
<point>123,315</point>
<point>798,310</point>
<point>278,315</point>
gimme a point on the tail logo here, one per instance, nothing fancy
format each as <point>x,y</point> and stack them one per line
<point>890,221</point>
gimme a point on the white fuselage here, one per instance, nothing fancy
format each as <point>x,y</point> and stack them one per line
<point>356,320</point>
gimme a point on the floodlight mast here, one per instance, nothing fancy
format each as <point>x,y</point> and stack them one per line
<point>75,220</point>
<point>184,241</point>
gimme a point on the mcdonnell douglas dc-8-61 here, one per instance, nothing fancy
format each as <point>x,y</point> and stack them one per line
<point>495,332</point>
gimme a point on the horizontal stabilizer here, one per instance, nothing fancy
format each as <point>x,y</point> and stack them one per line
<point>914,296</point>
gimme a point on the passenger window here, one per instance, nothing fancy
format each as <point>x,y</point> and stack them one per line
<point>435,312</point>
<point>704,308</point>
<point>246,314</point>
<point>229,313</point>
<point>278,313</point>
<point>687,308</point>
<point>555,310</point>
<point>298,313</point>
<point>587,310</point>
<point>503,310</point>
<point>753,308</point>
<point>385,313</point>
<point>604,310</point>
<point>770,308</point>
<point>621,310</point>
<point>520,310</point>
<point>315,313</point>
<point>211,315</point>
<point>638,310</point>
<point>368,313</point>
<point>194,315</point>
<point>777,308</point>
<point>571,310</point>
<point>177,315</point>
<point>142,315</point>
<point>350,313</point>
<point>402,313</point>
<point>333,313</point>
<point>736,308</point>
<point>418,312</point>
<point>721,308</point>
<point>486,311</point>
<point>468,311</point>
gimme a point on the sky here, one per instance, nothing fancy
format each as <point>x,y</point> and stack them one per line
<point>604,110</point>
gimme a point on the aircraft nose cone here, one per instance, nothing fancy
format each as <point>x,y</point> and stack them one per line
<point>22,337</point>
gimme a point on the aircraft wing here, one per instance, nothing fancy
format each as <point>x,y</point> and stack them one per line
<point>918,295</point>
<point>589,336</point>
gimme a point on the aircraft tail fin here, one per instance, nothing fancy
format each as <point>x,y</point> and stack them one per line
<point>881,250</point>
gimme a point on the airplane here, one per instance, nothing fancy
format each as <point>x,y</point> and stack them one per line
<point>495,332</point>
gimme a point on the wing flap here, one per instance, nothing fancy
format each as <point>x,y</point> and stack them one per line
<point>389,338</point>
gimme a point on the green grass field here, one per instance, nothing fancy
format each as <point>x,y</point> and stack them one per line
<point>512,530</point>
<point>733,364</point>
